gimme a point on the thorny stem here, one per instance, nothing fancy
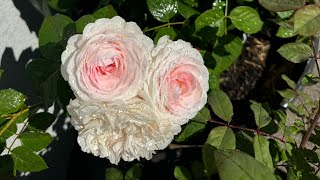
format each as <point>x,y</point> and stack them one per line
<point>315,55</point>
<point>310,130</point>
<point>307,136</point>
<point>14,117</point>
<point>163,25</point>
<point>22,129</point>
<point>248,129</point>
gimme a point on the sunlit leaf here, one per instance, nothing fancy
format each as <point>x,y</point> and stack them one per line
<point>210,24</point>
<point>295,52</point>
<point>10,101</point>
<point>261,151</point>
<point>285,32</point>
<point>282,5</point>
<point>307,20</point>
<point>236,165</point>
<point>26,160</point>
<point>221,104</point>
<point>261,115</point>
<point>287,93</point>
<point>222,137</point>
<point>182,173</point>
<point>163,10</point>
<point>35,140</point>
<point>246,19</point>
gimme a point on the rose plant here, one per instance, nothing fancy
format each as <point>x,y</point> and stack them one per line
<point>138,77</point>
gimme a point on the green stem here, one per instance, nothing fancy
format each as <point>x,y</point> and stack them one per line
<point>20,132</point>
<point>14,117</point>
<point>225,18</point>
<point>163,25</point>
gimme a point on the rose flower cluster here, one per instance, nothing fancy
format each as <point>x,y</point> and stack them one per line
<point>131,96</point>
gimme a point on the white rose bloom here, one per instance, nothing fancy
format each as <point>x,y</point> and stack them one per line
<point>108,62</point>
<point>124,129</point>
<point>177,83</point>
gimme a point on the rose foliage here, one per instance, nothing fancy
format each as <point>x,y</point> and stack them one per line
<point>143,78</point>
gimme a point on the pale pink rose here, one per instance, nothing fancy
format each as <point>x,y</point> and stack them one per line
<point>125,130</point>
<point>178,80</point>
<point>108,62</point>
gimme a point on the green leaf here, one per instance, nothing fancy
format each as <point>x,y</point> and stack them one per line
<point>213,79</point>
<point>210,24</point>
<point>290,83</point>
<point>113,173</point>
<point>26,160</point>
<point>282,5</point>
<point>134,173</point>
<point>10,101</point>
<point>295,52</point>
<point>285,14</point>
<point>203,115</point>
<point>246,19</point>
<point>227,52</point>
<point>35,140</point>
<point>307,20</point>
<point>83,21</point>
<point>186,11</point>
<point>166,31</point>
<point>236,165</point>
<point>310,79</point>
<point>45,75</point>
<point>2,144</point>
<point>208,159</point>
<point>182,173</point>
<point>287,93</point>
<point>41,121</point>
<point>189,131</point>
<point>284,32</point>
<point>163,10</point>
<point>222,137</point>
<point>53,35</point>
<point>105,12</point>
<point>220,104</point>
<point>261,151</point>
<point>261,115</point>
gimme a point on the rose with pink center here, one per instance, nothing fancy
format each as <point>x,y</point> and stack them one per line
<point>108,62</point>
<point>177,84</point>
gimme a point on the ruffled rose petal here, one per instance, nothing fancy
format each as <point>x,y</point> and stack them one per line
<point>178,80</point>
<point>128,130</point>
<point>108,62</point>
